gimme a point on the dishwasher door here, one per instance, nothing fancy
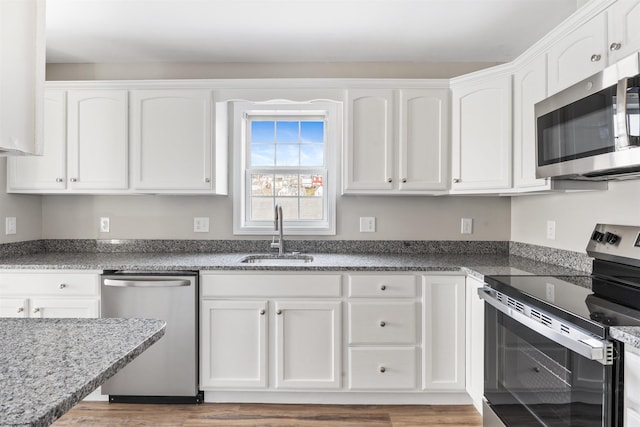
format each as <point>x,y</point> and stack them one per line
<point>168,370</point>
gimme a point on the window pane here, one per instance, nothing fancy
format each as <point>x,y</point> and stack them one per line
<point>287,131</point>
<point>262,154</point>
<point>312,131</point>
<point>287,185</point>
<point>311,208</point>
<point>289,208</point>
<point>311,185</point>
<point>287,155</point>
<point>312,155</point>
<point>262,208</point>
<point>262,131</point>
<point>262,185</point>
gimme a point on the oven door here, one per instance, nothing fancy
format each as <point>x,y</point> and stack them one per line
<point>531,380</point>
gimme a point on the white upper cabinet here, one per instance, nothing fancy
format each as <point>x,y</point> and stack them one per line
<point>624,37</point>
<point>49,171</point>
<point>397,141</point>
<point>529,87</point>
<point>481,133</point>
<point>171,136</point>
<point>97,140</point>
<point>22,43</point>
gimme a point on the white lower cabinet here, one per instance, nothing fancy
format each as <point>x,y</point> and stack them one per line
<point>631,386</point>
<point>49,294</point>
<point>382,368</point>
<point>475,342</point>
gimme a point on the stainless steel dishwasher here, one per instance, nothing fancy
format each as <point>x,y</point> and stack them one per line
<point>168,371</point>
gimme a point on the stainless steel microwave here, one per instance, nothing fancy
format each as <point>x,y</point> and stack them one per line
<point>591,130</point>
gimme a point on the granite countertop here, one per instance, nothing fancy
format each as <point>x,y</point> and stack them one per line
<point>49,365</point>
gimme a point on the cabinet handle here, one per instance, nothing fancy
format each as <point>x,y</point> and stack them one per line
<point>456,180</point>
<point>62,286</point>
<point>59,179</point>
<point>262,312</point>
<point>207,180</point>
<point>615,46</point>
<point>279,312</point>
<point>383,323</point>
<point>389,180</point>
<point>596,57</point>
<point>383,287</point>
<point>73,179</point>
<point>20,309</point>
<point>36,310</point>
<point>404,179</point>
<point>382,369</point>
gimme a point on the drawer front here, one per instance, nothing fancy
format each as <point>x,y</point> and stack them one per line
<point>270,285</point>
<point>50,284</point>
<point>382,323</point>
<point>382,368</point>
<point>382,286</point>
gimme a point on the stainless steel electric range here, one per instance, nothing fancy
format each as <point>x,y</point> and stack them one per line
<point>549,357</point>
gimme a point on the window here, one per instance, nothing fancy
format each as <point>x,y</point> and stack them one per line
<point>285,156</point>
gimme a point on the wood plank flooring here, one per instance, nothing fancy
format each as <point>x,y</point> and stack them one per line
<point>263,415</point>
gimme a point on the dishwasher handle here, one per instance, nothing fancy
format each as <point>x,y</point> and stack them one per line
<point>146,283</point>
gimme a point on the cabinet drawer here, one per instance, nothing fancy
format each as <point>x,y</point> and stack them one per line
<point>270,286</point>
<point>382,368</point>
<point>382,323</point>
<point>58,284</point>
<point>382,286</point>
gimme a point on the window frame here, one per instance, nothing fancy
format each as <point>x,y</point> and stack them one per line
<point>241,114</point>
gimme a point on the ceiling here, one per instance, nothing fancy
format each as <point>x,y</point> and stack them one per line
<point>223,31</point>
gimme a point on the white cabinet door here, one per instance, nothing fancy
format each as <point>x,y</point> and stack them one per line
<point>368,153</point>
<point>14,307</point>
<point>443,340</point>
<point>22,69</point>
<point>57,307</point>
<point>308,345</point>
<point>530,86</point>
<point>171,139</point>
<point>578,55</point>
<point>424,139</point>
<point>49,171</point>
<point>97,139</point>
<point>631,386</point>
<point>624,37</point>
<point>475,342</point>
<point>481,135</point>
<point>233,344</point>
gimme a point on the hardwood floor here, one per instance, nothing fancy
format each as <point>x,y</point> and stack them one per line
<point>217,414</point>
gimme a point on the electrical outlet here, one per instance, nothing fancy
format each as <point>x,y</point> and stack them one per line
<point>551,230</point>
<point>104,224</point>
<point>10,225</point>
<point>367,224</point>
<point>551,292</point>
<point>466,226</point>
<point>201,225</point>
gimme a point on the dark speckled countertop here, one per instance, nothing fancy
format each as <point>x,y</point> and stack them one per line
<point>49,365</point>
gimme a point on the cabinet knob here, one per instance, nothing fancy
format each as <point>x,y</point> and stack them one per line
<point>383,323</point>
<point>382,369</point>
<point>383,287</point>
<point>615,46</point>
<point>73,179</point>
<point>389,180</point>
<point>62,286</point>
<point>279,312</point>
<point>262,312</point>
<point>20,309</point>
<point>59,179</point>
<point>404,179</point>
<point>207,180</point>
<point>456,180</point>
<point>596,57</point>
<point>36,310</point>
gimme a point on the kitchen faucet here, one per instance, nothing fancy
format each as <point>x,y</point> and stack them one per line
<point>277,225</point>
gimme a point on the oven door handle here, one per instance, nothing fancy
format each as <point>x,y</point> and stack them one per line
<point>582,343</point>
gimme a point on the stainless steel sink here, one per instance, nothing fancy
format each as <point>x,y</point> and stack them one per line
<point>287,259</point>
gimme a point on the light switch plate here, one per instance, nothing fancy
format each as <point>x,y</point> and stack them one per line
<point>466,226</point>
<point>104,224</point>
<point>10,225</point>
<point>367,224</point>
<point>201,225</point>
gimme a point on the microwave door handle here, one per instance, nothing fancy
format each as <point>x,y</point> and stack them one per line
<point>622,124</point>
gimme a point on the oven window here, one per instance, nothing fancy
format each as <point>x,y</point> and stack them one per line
<point>532,381</point>
<point>582,129</point>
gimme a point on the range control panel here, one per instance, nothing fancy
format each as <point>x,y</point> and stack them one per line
<point>615,241</point>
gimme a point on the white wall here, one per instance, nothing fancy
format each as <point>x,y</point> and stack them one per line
<point>575,214</point>
<point>171,217</point>
<point>26,209</point>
